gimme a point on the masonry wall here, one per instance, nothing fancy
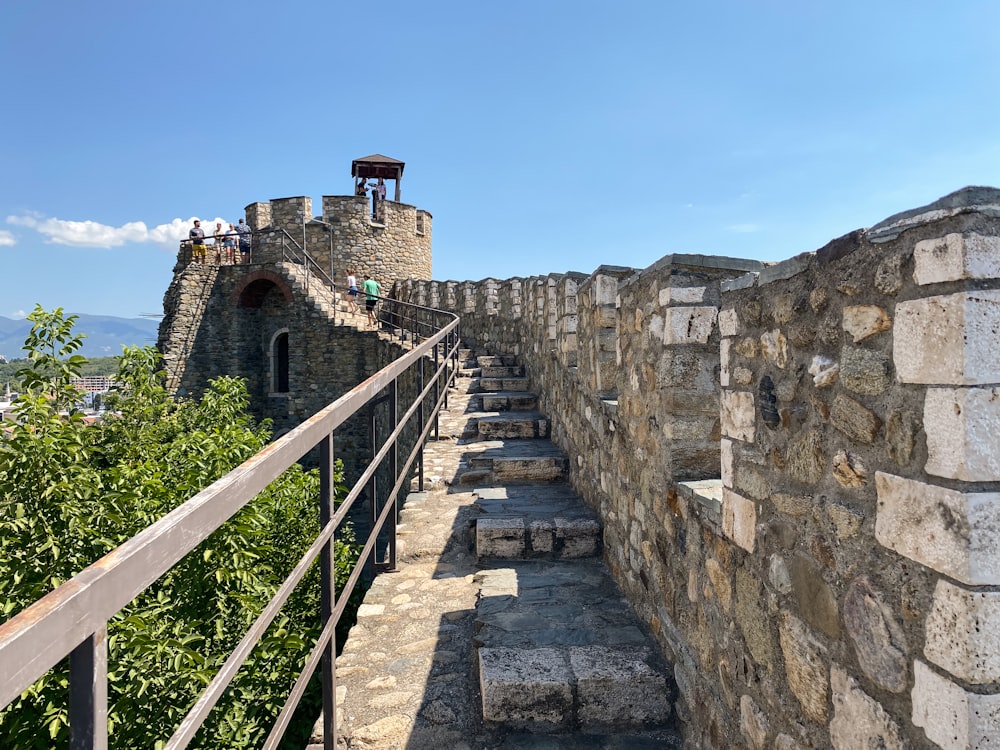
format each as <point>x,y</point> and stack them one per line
<point>797,471</point>
<point>395,246</point>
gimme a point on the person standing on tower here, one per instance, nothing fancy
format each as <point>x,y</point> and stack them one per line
<point>245,234</point>
<point>197,237</point>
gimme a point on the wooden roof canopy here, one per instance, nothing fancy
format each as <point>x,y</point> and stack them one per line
<point>375,166</point>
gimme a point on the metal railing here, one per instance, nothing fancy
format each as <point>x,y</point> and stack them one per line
<point>73,619</point>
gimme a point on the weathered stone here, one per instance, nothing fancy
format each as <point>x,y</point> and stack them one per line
<point>525,687</point>
<point>616,688</point>
<point>949,339</point>
<point>900,436</point>
<point>848,470</point>
<point>742,376</point>
<point>753,723</point>
<point>688,325</point>
<point>804,458</point>
<point>768,401</point>
<point>864,371</point>
<point>846,521</point>
<point>862,321</point>
<point>963,633</point>
<point>953,718</point>
<point>963,433</point>
<point>783,308</point>
<point>825,371</point>
<point>879,641</point>
<point>728,322</point>
<point>739,519</point>
<point>889,275</point>
<point>752,483</point>
<point>738,417</point>
<point>774,347</point>
<point>720,582</point>
<point>954,533</point>
<point>816,601</point>
<point>746,347</point>
<point>784,742</point>
<point>752,312</point>
<point>793,505</point>
<point>752,617</point>
<point>778,575</point>
<point>805,667</point>
<point>956,256</point>
<point>854,420</point>
<point>858,720</point>
<point>818,299</point>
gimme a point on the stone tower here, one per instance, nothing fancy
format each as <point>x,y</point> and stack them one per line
<point>278,320</point>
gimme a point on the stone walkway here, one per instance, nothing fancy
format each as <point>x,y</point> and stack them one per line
<point>449,620</point>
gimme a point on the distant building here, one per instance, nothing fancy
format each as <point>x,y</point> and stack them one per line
<point>93,383</point>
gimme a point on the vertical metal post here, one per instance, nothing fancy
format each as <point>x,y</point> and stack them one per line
<point>372,485</point>
<point>420,421</point>
<point>88,693</point>
<point>393,470</point>
<point>328,592</point>
<point>437,387</point>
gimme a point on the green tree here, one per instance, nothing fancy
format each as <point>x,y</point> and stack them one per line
<point>70,493</point>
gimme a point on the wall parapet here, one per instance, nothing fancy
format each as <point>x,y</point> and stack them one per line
<point>797,469</point>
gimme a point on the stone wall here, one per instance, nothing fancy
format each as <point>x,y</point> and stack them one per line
<point>796,467</point>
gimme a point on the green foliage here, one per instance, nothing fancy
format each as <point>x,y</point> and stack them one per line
<point>70,493</point>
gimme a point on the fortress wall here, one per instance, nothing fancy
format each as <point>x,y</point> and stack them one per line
<point>834,582</point>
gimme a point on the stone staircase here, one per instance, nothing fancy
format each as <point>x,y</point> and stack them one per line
<point>326,301</point>
<point>527,642</point>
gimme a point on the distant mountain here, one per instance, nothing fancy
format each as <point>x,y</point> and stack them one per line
<point>105,334</point>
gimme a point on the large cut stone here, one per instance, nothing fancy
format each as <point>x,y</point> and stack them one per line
<point>956,256</point>
<point>738,416</point>
<point>526,687</point>
<point>617,688</point>
<point>963,633</point>
<point>953,718</point>
<point>950,339</point>
<point>954,533</point>
<point>963,433</point>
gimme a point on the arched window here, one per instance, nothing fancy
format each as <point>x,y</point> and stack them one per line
<point>279,361</point>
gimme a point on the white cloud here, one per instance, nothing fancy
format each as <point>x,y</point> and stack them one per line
<point>7,238</point>
<point>18,315</point>
<point>94,234</point>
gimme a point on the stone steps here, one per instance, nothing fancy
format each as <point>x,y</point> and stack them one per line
<point>503,628</point>
<point>494,385</point>
<point>558,650</point>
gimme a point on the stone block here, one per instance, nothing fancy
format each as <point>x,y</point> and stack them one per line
<point>954,533</point>
<point>729,324</point>
<point>859,721</point>
<point>854,419</point>
<point>739,519</point>
<point>579,537</point>
<point>727,462</point>
<point>864,371</point>
<point>805,667</point>
<point>738,415</point>
<point>617,688</point>
<point>878,638</point>
<point>774,347</point>
<point>951,717</point>
<point>526,687</point>
<point>688,325</point>
<point>862,321</point>
<point>541,534</point>
<point>963,433</point>
<point>500,538</point>
<point>948,339</point>
<point>955,257</point>
<point>724,353</point>
<point>604,290</point>
<point>684,295</point>
<point>963,633</point>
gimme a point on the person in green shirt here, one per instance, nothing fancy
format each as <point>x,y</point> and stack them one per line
<point>371,288</point>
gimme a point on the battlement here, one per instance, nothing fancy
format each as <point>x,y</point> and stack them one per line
<point>395,244</point>
<point>796,466</point>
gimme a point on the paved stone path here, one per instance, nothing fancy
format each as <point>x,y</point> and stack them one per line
<point>410,673</point>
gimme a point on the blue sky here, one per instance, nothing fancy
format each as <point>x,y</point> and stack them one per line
<point>543,136</point>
